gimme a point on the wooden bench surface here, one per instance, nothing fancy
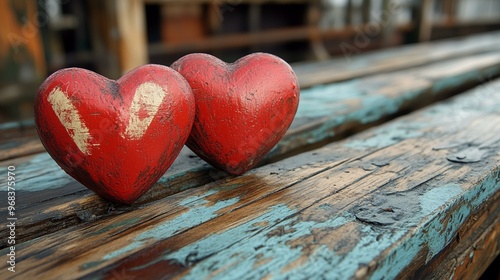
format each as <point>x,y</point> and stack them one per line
<point>415,196</point>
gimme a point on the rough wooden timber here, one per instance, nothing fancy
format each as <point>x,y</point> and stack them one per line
<point>19,139</point>
<point>51,200</point>
<point>384,202</point>
<point>18,142</point>
<point>355,64</point>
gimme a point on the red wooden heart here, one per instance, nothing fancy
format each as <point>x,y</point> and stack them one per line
<point>242,109</point>
<point>117,138</point>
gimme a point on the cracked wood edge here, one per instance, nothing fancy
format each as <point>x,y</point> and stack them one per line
<point>53,200</point>
<point>349,209</point>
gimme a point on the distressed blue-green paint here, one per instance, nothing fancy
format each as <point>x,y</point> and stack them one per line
<point>375,106</point>
<point>329,101</point>
<point>326,102</point>
<point>453,82</point>
<point>8,145</point>
<point>91,265</point>
<point>439,235</point>
<point>239,245</point>
<point>122,251</point>
<point>398,259</point>
<point>197,200</point>
<point>324,263</point>
<point>38,174</point>
<point>18,124</point>
<point>235,250</point>
<point>197,213</point>
<point>363,63</point>
<point>488,187</point>
<point>323,100</point>
<point>437,197</point>
<point>216,243</point>
<point>273,247</point>
<point>431,231</point>
<point>120,224</point>
<point>171,176</point>
<point>387,136</point>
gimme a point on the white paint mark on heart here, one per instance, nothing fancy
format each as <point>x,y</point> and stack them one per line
<point>70,119</point>
<point>147,100</point>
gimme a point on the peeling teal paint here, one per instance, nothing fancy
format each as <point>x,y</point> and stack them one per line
<point>436,235</point>
<point>19,124</point>
<point>198,213</point>
<point>116,225</point>
<point>224,242</point>
<point>240,244</point>
<point>400,257</point>
<point>122,251</point>
<point>197,200</point>
<point>439,235</point>
<point>323,100</point>
<point>329,101</point>
<point>344,266</point>
<point>388,135</point>
<point>452,82</point>
<point>376,106</point>
<point>488,187</point>
<point>437,197</point>
<point>169,177</point>
<point>38,174</point>
<point>261,247</point>
<point>90,265</point>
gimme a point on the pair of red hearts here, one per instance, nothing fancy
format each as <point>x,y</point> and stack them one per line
<point>119,137</point>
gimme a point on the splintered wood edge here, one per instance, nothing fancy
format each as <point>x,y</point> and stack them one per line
<point>283,218</point>
<point>475,247</point>
<point>75,205</point>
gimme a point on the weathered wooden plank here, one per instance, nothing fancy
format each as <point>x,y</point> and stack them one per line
<point>353,208</point>
<point>51,200</point>
<point>475,247</point>
<point>356,64</point>
<point>19,139</point>
<point>335,70</point>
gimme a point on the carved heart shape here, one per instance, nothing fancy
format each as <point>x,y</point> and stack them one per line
<point>117,138</point>
<point>242,109</point>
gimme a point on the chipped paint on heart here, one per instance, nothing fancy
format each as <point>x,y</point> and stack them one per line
<point>69,117</point>
<point>145,105</point>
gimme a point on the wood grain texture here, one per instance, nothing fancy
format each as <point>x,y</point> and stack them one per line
<point>354,65</point>
<point>475,247</point>
<point>51,200</point>
<point>365,207</point>
<point>309,74</point>
<point>19,139</point>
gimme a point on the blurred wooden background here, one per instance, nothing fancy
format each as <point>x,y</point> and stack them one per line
<point>114,36</point>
